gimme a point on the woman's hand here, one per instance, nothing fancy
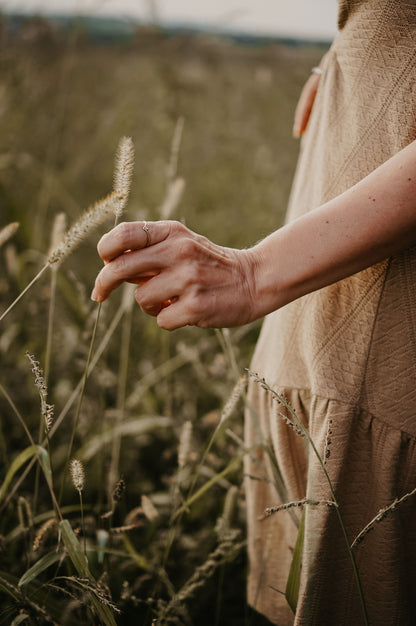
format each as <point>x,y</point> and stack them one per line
<point>184,279</point>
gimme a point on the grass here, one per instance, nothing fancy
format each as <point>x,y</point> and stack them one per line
<point>218,116</point>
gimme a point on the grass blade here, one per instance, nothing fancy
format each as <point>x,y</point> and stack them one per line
<point>80,563</point>
<point>20,460</point>
<point>293,581</point>
<point>39,567</point>
<point>230,468</point>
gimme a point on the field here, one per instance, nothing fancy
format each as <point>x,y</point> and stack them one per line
<point>168,544</point>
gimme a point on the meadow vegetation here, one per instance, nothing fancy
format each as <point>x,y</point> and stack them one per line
<point>160,507</point>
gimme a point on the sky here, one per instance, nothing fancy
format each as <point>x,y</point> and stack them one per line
<point>305,18</point>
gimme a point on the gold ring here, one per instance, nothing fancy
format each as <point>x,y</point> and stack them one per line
<point>146,229</point>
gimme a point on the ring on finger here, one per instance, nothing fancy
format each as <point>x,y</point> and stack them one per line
<point>146,229</point>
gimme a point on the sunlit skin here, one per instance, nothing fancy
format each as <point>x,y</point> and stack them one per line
<point>185,279</point>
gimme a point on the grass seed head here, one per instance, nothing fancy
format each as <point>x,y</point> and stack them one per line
<point>43,532</point>
<point>58,230</point>
<point>46,409</point>
<point>7,232</point>
<point>93,217</point>
<point>119,490</point>
<point>184,444</point>
<point>236,394</point>
<point>123,173</point>
<point>77,474</point>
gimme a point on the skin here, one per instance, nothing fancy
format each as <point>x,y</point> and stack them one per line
<point>185,279</point>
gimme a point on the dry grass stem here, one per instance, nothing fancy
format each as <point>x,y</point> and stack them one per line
<point>24,512</point>
<point>280,400</point>
<point>92,218</point>
<point>123,173</point>
<point>47,410</point>
<point>270,510</point>
<point>381,515</point>
<point>7,232</point>
<point>232,401</point>
<point>173,197</point>
<point>327,451</point>
<point>226,551</point>
<point>174,151</point>
<point>134,515</point>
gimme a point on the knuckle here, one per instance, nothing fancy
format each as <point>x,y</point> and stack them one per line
<point>194,306</point>
<point>122,266</point>
<point>122,233</point>
<point>177,227</point>
<point>187,249</point>
<point>192,275</point>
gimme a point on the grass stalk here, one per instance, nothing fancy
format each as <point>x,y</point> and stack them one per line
<point>121,391</point>
<point>58,421</point>
<point>281,400</point>
<point>51,314</point>
<point>25,290</point>
<point>17,414</point>
<point>80,399</point>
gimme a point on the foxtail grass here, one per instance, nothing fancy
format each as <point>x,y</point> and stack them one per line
<point>78,478</point>
<point>7,232</point>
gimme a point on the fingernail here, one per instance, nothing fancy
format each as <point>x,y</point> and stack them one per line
<point>94,296</point>
<point>296,133</point>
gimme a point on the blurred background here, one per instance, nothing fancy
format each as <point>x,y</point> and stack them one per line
<point>207,92</point>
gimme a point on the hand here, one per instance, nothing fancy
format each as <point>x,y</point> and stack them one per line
<point>305,104</point>
<point>184,279</point>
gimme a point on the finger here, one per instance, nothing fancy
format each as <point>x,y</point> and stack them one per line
<point>135,267</point>
<point>305,104</point>
<point>188,310</point>
<point>157,293</point>
<point>132,236</point>
<point>155,308</point>
<point>174,316</point>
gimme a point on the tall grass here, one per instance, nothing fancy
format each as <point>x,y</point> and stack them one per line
<point>169,545</point>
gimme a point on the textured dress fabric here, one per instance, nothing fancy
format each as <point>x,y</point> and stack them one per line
<point>345,359</point>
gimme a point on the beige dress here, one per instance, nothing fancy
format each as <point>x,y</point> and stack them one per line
<point>346,353</point>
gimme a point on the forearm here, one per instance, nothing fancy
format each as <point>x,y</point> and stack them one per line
<point>368,223</point>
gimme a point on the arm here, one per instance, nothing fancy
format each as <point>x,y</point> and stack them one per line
<point>212,286</point>
<point>371,221</point>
